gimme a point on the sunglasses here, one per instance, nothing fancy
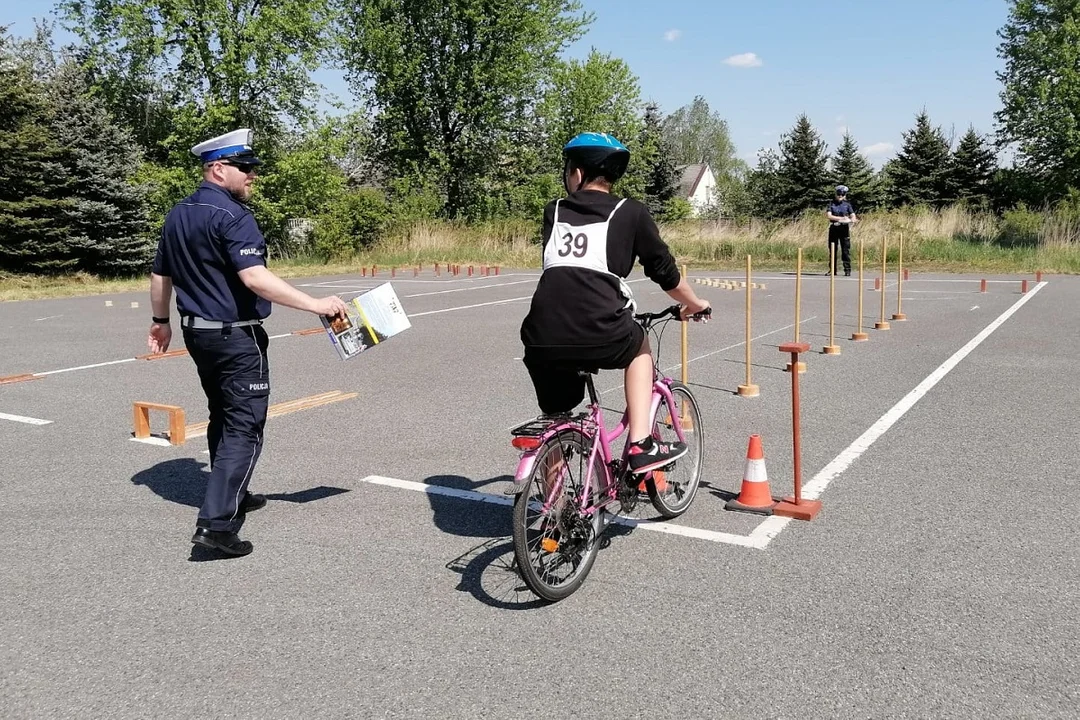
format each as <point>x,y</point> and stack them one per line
<point>246,168</point>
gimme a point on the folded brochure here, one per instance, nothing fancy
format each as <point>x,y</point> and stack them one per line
<point>372,317</point>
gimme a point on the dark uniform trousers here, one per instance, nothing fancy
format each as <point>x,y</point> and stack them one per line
<point>840,246</point>
<point>236,379</point>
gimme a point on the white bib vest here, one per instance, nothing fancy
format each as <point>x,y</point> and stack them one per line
<point>584,246</point>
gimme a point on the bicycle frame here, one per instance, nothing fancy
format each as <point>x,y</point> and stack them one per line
<point>602,440</point>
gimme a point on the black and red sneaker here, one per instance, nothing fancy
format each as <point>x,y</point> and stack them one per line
<point>649,455</point>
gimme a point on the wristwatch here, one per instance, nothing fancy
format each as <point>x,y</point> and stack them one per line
<point>161,321</point>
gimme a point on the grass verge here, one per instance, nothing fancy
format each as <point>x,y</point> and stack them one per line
<point>951,240</point>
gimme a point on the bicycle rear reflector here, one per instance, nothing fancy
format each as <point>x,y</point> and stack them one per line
<point>525,443</point>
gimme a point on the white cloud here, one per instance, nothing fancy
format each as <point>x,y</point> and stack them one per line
<point>672,35</point>
<point>878,149</point>
<point>745,60</point>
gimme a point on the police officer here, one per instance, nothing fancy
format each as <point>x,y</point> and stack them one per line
<point>212,253</point>
<point>841,215</point>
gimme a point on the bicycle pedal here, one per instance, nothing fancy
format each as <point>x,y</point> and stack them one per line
<point>516,488</point>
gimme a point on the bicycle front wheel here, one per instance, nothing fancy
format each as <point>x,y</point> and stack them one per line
<point>555,543</point>
<point>673,487</point>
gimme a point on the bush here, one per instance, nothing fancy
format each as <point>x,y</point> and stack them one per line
<point>352,223</point>
<point>1020,227</point>
<point>676,209</point>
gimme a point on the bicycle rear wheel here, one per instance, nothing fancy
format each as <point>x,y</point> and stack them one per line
<point>555,548</point>
<point>673,487</point>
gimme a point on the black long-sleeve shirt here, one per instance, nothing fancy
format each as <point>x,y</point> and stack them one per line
<point>579,306</point>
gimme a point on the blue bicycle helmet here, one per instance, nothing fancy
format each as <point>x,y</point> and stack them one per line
<point>597,154</point>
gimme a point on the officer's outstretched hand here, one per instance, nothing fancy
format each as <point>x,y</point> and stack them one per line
<point>160,337</point>
<point>332,306</point>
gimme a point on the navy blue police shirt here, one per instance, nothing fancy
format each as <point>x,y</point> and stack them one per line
<point>207,239</point>
<point>841,209</point>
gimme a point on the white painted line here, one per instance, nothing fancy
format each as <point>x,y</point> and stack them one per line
<point>653,525</point>
<point>467,307</point>
<point>723,349</point>
<point>84,367</point>
<point>152,441</point>
<point>51,317</point>
<point>464,289</point>
<point>772,526</point>
<point>22,419</point>
<point>974,307</point>
<point>699,357</point>
<point>275,337</point>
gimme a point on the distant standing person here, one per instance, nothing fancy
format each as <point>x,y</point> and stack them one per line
<point>212,252</point>
<point>841,215</point>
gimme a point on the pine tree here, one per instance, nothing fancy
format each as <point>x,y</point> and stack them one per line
<point>662,178</point>
<point>33,182</point>
<point>804,178</point>
<point>109,228</point>
<point>850,168</point>
<point>920,171</point>
<point>973,169</point>
<point>763,185</point>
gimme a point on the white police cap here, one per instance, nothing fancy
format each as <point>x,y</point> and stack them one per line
<point>235,145</point>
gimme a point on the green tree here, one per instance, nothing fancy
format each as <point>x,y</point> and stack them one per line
<point>699,135</point>
<point>178,71</point>
<point>764,186</point>
<point>33,180</point>
<point>658,156</point>
<point>973,169</point>
<point>802,170</point>
<point>920,172</point>
<point>1040,44</point>
<point>108,228</point>
<point>454,83</point>
<point>600,94</point>
<point>850,168</point>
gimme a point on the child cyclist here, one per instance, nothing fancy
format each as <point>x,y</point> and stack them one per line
<point>581,316</point>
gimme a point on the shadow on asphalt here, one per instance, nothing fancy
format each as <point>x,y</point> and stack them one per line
<point>183,481</point>
<point>489,570</point>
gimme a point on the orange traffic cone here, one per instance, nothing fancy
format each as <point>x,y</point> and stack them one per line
<point>754,496</point>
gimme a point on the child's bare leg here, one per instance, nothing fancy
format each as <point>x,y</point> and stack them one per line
<point>638,384</point>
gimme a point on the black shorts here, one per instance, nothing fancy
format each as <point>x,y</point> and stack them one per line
<point>554,371</point>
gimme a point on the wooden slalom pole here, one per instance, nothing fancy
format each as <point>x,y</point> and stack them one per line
<point>749,389</point>
<point>832,348</point>
<point>860,336</point>
<point>798,297</point>
<point>883,324</point>
<point>899,315</point>
<point>685,419</point>
<point>685,345</point>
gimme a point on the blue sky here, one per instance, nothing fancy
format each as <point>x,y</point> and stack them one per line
<point>868,66</point>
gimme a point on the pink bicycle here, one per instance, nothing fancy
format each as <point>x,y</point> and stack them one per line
<point>568,480</point>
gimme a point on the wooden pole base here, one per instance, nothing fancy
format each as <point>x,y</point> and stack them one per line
<point>881,325</point>
<point>177,427</point>
<point>899,316</point>
<point>802,368</point>
<point>831,350</point>
<point>803,510</point>
<point>748,390</point>
<point>860,337</point>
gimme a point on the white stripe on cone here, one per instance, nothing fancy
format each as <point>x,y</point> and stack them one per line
<point>755,471</point>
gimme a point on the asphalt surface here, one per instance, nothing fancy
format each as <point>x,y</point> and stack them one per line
<point>939,580</point>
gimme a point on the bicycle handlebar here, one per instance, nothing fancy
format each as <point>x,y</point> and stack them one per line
<point>674,311</point>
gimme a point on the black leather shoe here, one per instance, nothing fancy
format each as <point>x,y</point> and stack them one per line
<point>252,503</point>
<point>226,542</point>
